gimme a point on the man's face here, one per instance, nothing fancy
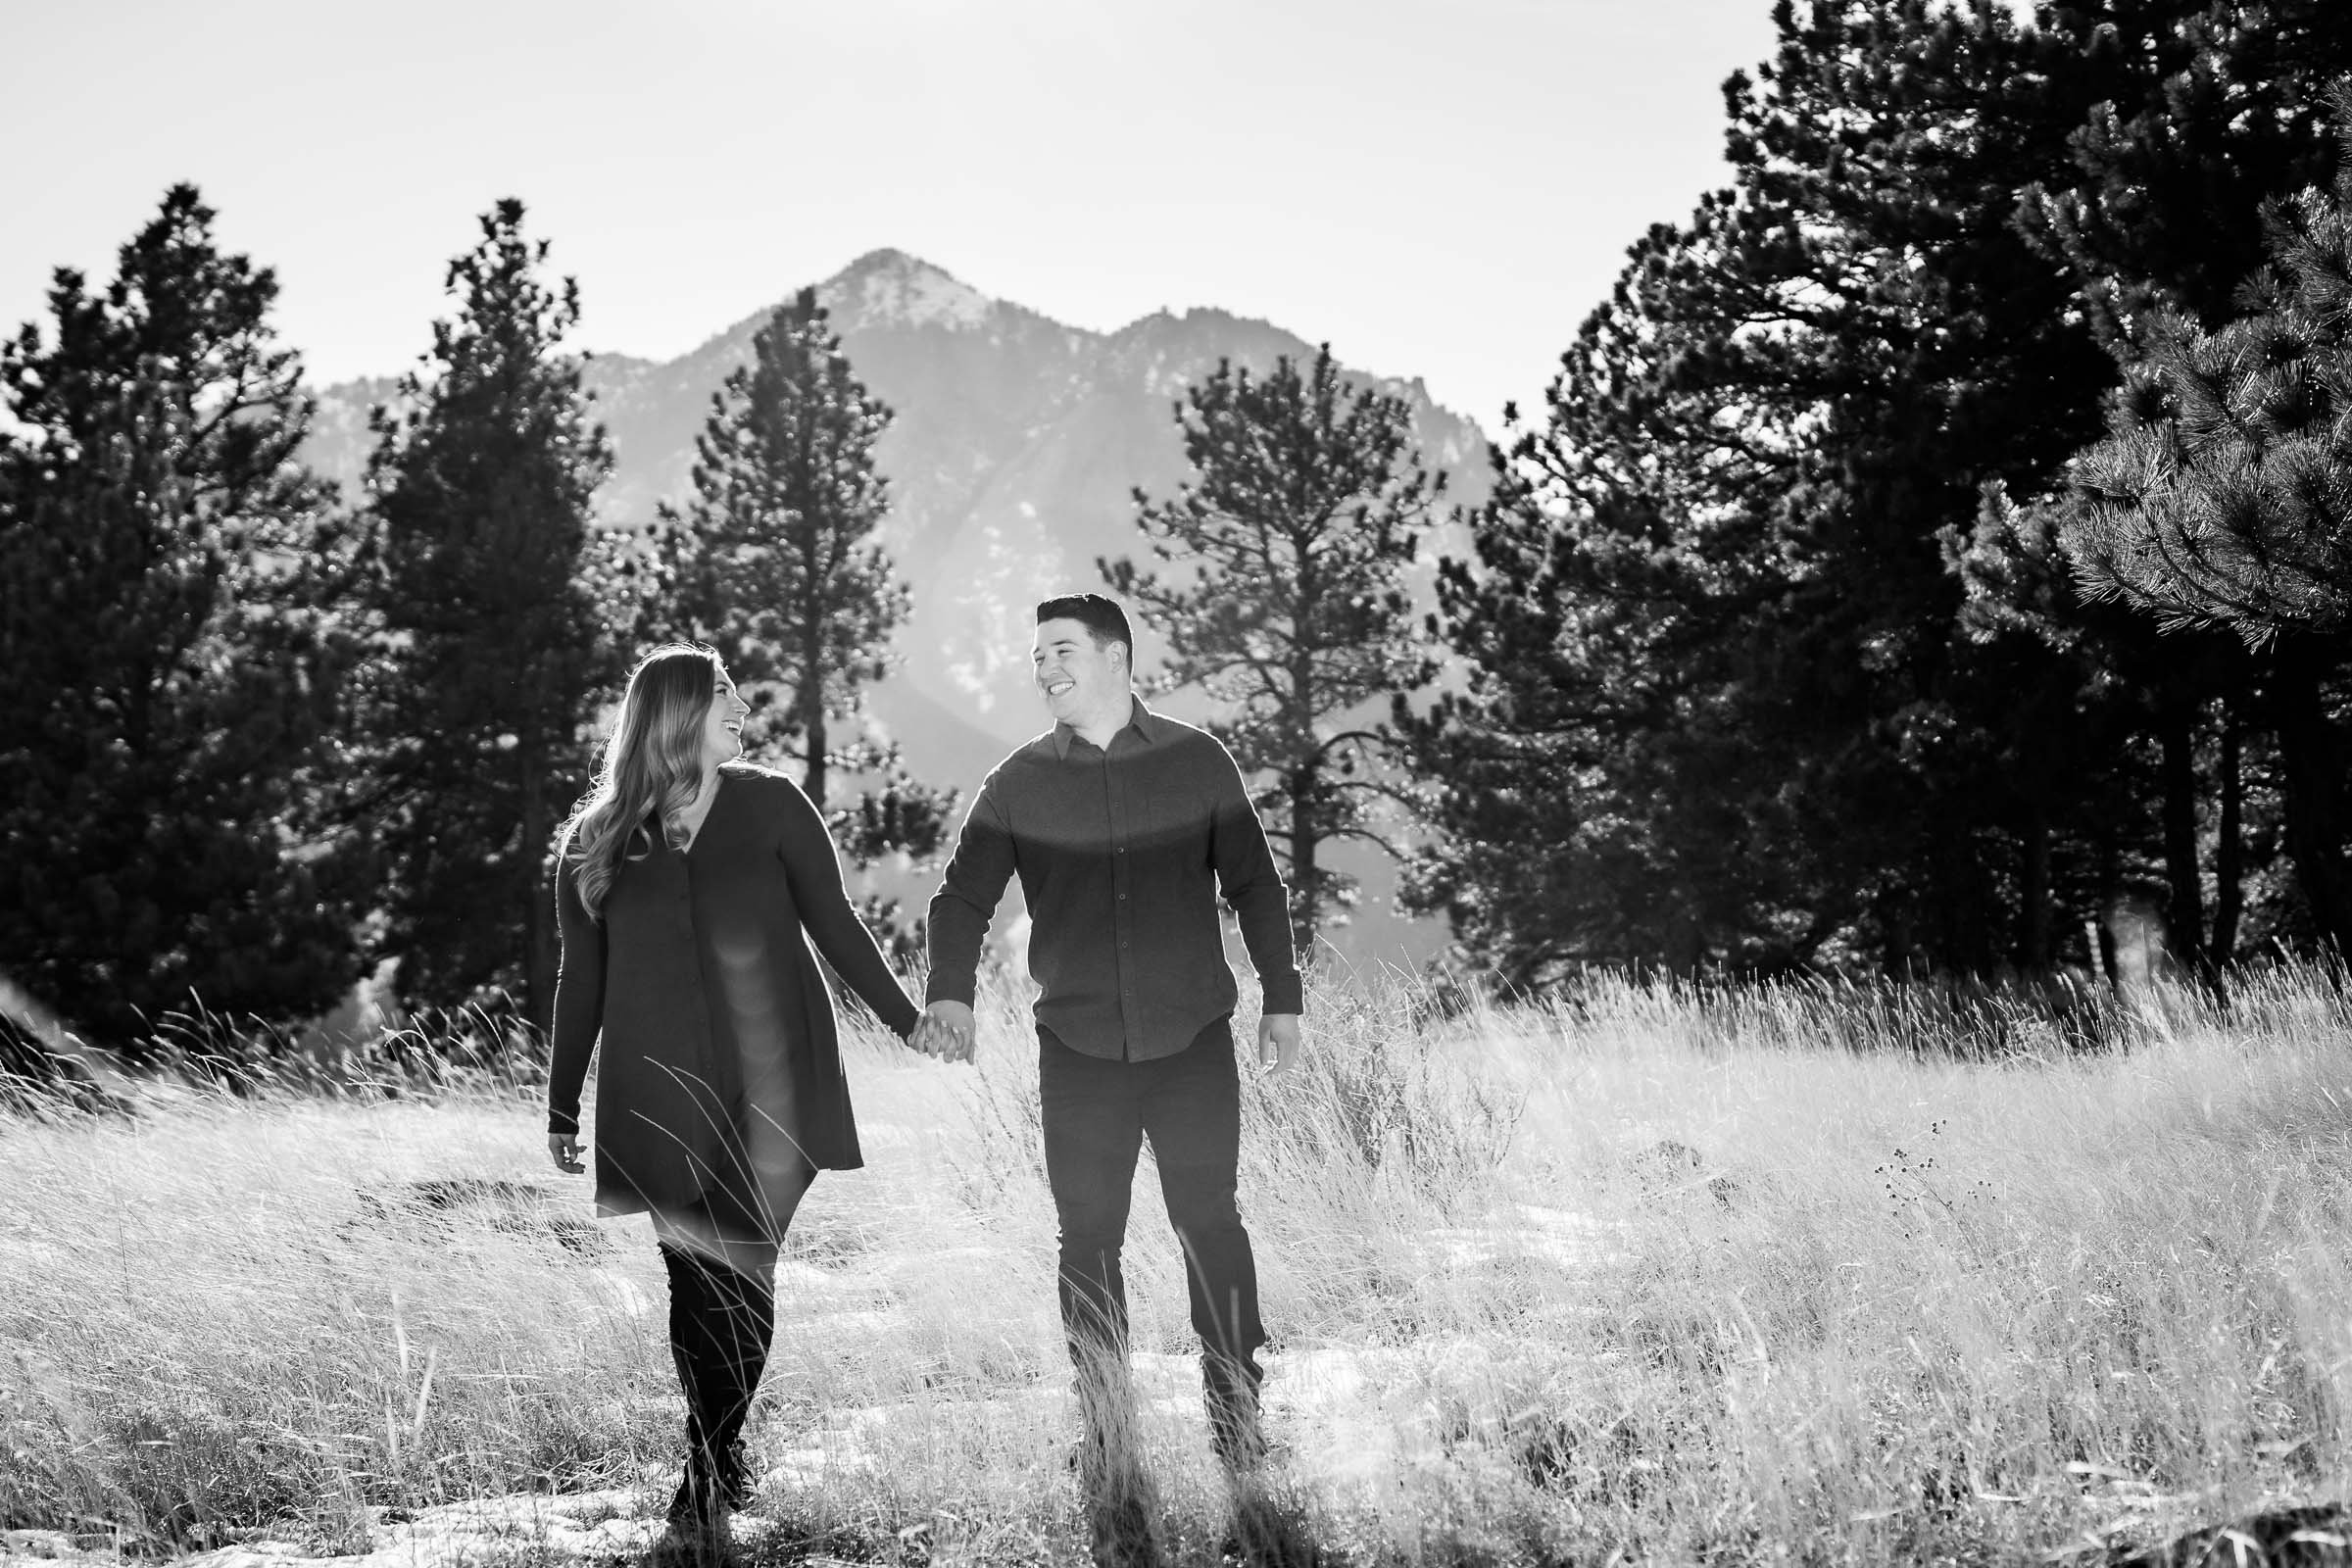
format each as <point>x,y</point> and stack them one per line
<point>1079,681</point>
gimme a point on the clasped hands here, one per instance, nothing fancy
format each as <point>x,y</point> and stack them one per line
<point>946,1031</point>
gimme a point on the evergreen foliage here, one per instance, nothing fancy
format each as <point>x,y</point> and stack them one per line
<point>1741,687</point>
<point>2190,116</point>
<point>495,649</point>
<point>785,578</point>
<point>2175,708</point>
<point>1305,505</point>
<point>2194,116</point>
<point>778,568</point>
<point>2221,496</point>
<point>175,666</point>
<point>2222,493</point>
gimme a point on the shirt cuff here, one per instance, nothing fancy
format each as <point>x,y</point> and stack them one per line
<point>1281,993</point>
<point>558,1122</point>
<point>950,988</point>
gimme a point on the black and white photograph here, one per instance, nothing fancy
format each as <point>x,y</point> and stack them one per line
<point>1204,784</point>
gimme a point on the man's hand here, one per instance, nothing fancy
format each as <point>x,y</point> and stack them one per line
<point>565,1148</point>
<point>949,1029</point>
<point>1278,1041</point>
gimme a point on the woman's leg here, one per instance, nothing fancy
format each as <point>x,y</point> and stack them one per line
<point>720,1321</point>
<point>700,1345</point>
<point>723,1321</point>
<point>747,1291</point>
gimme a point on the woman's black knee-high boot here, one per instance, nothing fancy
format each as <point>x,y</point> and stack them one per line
<point>721,1322</point>
<point>743,1324</point>
<point>691,1347</point>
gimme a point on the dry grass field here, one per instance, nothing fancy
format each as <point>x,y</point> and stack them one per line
<point>1812,1274</point>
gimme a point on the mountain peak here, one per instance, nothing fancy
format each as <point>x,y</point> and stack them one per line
<point>890,288</point>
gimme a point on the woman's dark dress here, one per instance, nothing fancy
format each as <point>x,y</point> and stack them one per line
<point>720,1077</point>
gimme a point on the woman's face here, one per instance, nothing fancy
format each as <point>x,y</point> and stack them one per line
<point>723,726</point>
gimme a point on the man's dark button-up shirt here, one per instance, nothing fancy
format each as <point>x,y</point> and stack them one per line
<point>1121,854</point>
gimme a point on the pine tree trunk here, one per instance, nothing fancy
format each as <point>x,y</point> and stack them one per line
<point>2102,927</point>
<point>539,958</point>
<point>1899,947</point>
<point>1306,891</point>
<point>2228,855</point>
<point>813,718</point>
<point>1963,933</point>
<point>1682,943</point>
<point>2314,796</point>
<point>1305,781</point>
<point>2033,890</point>
<point>813,784</point>
<point>2184,900</point>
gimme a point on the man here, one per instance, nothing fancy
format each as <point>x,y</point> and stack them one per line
<point>1123,824</point>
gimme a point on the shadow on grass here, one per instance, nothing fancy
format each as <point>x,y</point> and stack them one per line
<point>780,1542</point>
<point>2313,1537</point>
<point>1269,1532</point>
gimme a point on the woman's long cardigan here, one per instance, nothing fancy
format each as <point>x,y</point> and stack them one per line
<point>720,1077</point>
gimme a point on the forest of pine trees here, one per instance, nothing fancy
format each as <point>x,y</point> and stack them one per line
<point>1934,545</point>
<point>1782,648</point>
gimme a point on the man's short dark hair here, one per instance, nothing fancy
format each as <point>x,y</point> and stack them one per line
<point>1099,616</point>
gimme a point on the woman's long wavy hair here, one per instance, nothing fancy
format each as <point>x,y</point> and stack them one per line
<point>652,767</point>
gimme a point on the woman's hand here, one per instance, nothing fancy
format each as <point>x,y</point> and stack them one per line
<point>565,1148</point>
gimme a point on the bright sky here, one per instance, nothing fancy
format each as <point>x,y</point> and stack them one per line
<point>1441,188</point>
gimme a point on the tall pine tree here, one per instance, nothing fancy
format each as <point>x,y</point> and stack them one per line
<point>2193,115</point>
<point>2197,114</point>
<point>1723,670</point>
<point>2223,497</point>
<point>1718,712</point>
<point>494,652</point>
<point>785,577</point>
<point>174,661</point>
<point>777,565</point>
<point>1307,502</point>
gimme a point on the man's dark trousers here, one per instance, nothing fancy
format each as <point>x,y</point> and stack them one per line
<point>1096,1112</point>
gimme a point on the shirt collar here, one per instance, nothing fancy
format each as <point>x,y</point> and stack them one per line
<point>1144,722</point>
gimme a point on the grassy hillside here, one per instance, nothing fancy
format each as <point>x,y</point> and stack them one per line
<point>1819,1274</point>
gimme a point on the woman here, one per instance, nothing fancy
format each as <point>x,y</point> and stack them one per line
<point>683,888</point>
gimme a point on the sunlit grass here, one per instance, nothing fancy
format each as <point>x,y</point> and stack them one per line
<point>1821,1273</point>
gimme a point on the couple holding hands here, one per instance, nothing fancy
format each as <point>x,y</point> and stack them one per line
<point>689,890</point>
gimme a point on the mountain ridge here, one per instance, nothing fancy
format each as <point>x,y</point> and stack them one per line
<point>1016,446</point>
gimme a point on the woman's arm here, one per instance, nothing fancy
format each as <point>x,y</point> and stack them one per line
<point>813,867</point>
<point>579,1001</point>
